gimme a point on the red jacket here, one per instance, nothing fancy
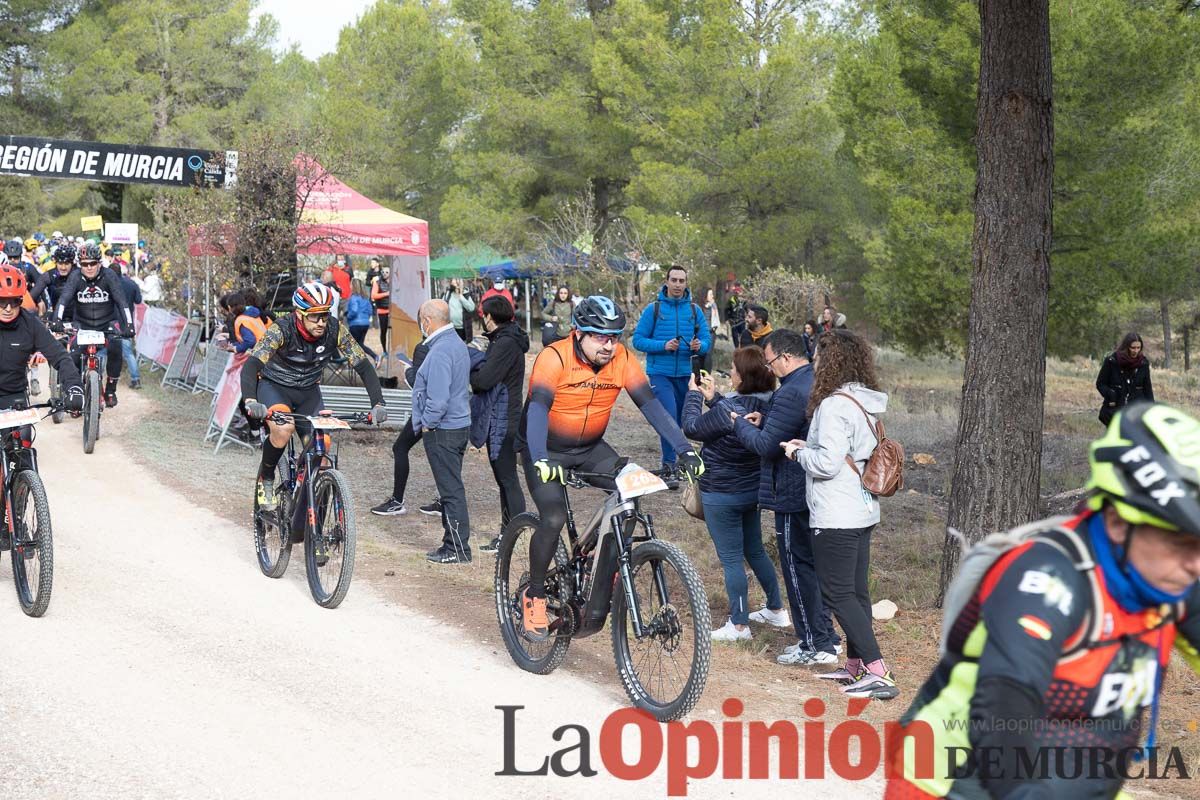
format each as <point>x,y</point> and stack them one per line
<point>492,292</point>
<point>342,279</point>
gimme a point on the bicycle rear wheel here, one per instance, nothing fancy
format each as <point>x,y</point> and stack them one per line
<point>91,411</point>
<point>511,580</point>
<point>329,541</point>
<point>33,543</point>
<point>273,529</point>
<point>664,671</point>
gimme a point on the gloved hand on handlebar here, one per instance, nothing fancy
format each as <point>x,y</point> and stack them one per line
<point>549,470</point>
<point>56,325</point>
<point>379,413</point>
<point>691,464</point>
<point>73,398</point>
<point>255,410</point>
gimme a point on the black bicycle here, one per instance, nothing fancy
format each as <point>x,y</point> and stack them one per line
<point>27,531</point>
<point>318,512</point>
<point>661,626</point>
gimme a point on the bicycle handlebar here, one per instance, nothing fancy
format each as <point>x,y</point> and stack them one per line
<point>282,418</point>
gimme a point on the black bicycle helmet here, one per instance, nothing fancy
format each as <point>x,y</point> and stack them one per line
<point>1148,466</point>
<point>90,252</point>
<point>64,253</point>
<point>14,249</point>
<point>599,314</point>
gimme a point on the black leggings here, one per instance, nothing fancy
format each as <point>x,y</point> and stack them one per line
<point>842,557</point>
<point>504,470</point>
<point>404,442</point>
<point>383,331</point>
<point>551,501</point>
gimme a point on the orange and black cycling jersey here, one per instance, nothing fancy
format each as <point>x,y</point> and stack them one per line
<point>580,396</point>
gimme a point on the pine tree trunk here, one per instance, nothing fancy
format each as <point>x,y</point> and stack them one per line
<point>1165,306</point>
<point>997,463</point>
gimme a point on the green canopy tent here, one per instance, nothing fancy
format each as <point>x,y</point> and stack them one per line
<point>469,262</point>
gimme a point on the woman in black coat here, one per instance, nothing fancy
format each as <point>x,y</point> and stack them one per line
<point>729,486</point>
<point>1124,377</point>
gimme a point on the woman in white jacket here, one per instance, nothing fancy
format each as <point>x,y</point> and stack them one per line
<point>842,406</point>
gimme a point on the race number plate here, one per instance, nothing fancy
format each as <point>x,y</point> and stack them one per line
<point>329,424</point>
<point>89,337</point>
<point>15,419</point>
<point>634,481</point>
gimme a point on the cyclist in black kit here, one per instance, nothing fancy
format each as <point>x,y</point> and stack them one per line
<point>99,303</point>
<point>52,281</point>
<point>283,373</point>
<point>21,335</point>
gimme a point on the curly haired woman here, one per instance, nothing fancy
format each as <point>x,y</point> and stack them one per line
<point>841,437</point>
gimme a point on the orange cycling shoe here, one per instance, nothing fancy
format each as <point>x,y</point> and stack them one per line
<point>537,624</point>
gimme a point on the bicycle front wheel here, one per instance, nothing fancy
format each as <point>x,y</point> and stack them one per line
<point>33,543</point>
<point>273,529</point>
<point>330,539</point>
<point>91,411</point>
<point>665,669</point>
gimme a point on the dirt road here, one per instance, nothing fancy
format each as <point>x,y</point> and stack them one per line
<point>168,666</point>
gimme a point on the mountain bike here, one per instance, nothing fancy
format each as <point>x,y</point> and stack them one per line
<point>661,626</point>
<point>27,532</point>
<point>90,342</point>
<point>314,506</point>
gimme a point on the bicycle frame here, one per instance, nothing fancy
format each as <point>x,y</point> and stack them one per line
<point>608,540</point>
<point>315,451</point>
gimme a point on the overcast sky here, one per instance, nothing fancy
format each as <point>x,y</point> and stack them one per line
<point>313,24</point>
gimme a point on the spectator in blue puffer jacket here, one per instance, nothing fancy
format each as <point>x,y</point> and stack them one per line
<point>729,485</point>
<point>358,316</point>
<point>671,332</point>
<point>781,489</point>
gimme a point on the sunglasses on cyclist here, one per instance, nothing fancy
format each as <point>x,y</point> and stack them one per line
<point>316,316</point>
<point>10,302</point>
<point>85,263</point>
<point>605,338</point>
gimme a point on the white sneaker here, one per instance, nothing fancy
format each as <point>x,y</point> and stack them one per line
<point>791,648</point>
<point>806,658</point>
<point>780,618</point>
<point>729,633</point>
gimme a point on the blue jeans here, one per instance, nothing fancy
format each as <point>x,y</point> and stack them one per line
<point>670,392</point>
<point>810,617</point>
<point>736,531</point>
<point>130,360</point>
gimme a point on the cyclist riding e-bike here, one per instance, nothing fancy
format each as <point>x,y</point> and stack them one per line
<point>1064,642</point>
<point>574,384</point>
<point>97,301</point>
<point>284,369</point>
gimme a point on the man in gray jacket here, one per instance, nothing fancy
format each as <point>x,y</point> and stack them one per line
<point>441,414</point>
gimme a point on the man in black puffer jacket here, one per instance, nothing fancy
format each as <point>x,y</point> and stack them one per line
<point>505,365</point>
<point>781,489</point>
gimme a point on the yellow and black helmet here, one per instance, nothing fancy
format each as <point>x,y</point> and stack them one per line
<point>1148,466</point>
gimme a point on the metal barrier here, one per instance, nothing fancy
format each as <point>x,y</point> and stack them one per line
<point>211,370</point>
<point>354,400</point>
<point>179,371</point>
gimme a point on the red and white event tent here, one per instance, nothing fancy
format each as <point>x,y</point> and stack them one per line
<point>336,219</point>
